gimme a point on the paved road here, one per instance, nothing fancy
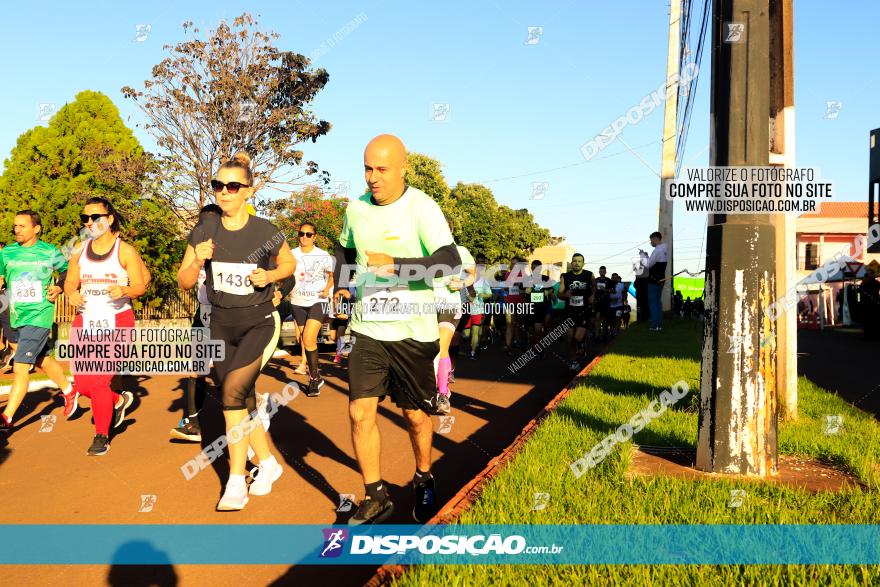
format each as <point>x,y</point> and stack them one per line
<point>843,361</point>
<point>47,477</point>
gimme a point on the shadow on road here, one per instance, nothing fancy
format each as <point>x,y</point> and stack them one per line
<point>122,574</point>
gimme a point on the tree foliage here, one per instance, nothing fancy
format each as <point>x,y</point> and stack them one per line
<point>481,224</point>
<point>425,173</point>
<point>231,90</point>
<point>86,150</point>
<point>311,204</point>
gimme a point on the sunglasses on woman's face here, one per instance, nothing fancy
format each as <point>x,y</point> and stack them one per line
<point>84,218</point>
<point>232,187</point>
<point>307,234</point>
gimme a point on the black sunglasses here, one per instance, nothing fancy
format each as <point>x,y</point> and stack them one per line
<point>232,187</point>
<point>307,234</point>
<point>84,218</point>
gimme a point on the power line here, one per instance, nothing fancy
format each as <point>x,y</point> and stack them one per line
<point>584,162</point>
<point>690,89</point>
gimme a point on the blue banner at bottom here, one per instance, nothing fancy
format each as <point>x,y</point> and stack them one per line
<point>457,544</point>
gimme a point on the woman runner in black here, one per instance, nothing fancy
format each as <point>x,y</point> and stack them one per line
<point>236,253</point>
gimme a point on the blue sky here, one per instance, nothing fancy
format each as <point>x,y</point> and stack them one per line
<point>516,109</point>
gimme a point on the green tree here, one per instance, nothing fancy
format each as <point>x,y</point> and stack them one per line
<point>483,226</point>
<point>520,233</point>
<point>426,174</point>
<point>86,150</point>
<point>474,210</point>
<point>310,204</point>
<point>232,90</point>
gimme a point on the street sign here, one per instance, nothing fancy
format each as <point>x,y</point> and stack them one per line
<point>854,267</point>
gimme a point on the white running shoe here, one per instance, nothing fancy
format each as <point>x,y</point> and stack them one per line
<point>264,477</point>
<point>280,353</point>
<point>234,498</point>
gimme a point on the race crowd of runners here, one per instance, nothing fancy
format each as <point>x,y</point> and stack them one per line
<point>403,300</point>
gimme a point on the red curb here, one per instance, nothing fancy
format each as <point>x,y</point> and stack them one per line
<point>468,495</point>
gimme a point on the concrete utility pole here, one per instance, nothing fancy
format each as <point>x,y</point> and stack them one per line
<point>873,184</point>
<point>670,138</point>
<point>782,153</point>
<point>737,429</point>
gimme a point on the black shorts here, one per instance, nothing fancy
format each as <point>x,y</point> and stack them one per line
<point>403,369</point>
<point>540,313</point>
<point>248,335</point>
<point>339,323</point>
<point>581,317</point>
<point>449,318</point>
<point>285,309</point>
<point>313,312</point>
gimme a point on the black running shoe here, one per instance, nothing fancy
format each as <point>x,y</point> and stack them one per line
<point>437,405</point>
<point>5,427</point>
<point>100,445</point>
<point>443,406</point>
<point>187,430</point>
<point>122,404</point>
<point>372,511</point>
<point>315,385</point>
<point>426,500</point>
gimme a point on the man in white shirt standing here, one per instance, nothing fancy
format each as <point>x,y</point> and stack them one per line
<point>656,265</point>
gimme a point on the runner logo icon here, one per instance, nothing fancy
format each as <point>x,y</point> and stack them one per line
<point>334,538</point>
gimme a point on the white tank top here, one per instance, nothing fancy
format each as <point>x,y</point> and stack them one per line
<point>96,276</point>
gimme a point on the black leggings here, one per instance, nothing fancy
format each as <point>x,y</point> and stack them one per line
<point>250,336</point>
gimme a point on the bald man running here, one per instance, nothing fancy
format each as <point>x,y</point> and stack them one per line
<point>393,226</point>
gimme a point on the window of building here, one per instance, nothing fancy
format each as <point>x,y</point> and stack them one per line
<point>811,256</point>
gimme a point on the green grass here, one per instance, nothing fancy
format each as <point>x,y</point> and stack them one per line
<point>643,364</point>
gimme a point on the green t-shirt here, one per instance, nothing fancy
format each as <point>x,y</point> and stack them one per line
<point>558,304</point>
<point>413,226</point>
<point>28,274</point>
